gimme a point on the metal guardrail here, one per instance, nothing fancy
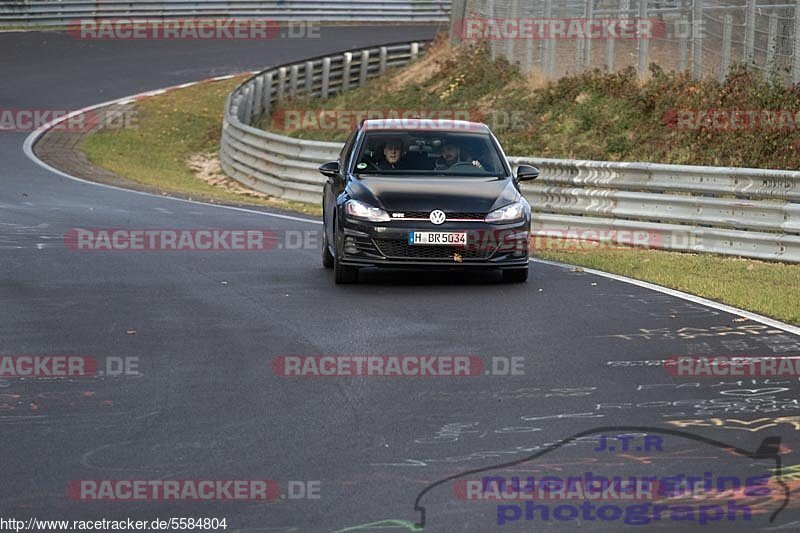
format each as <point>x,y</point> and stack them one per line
<point>282,166</point>
<point>734,211</point>
<point>62,12</point>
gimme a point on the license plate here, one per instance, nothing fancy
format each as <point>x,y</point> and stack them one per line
<point>441,238</point>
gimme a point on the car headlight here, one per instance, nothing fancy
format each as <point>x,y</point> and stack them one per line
<point>362,211</point>
<point>509,213</point>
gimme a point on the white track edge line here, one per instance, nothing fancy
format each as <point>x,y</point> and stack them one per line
<point>771,322</point>
<point>31,139</point>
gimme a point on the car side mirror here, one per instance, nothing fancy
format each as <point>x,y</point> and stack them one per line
<point>527,173</point>
<point>330,169</point>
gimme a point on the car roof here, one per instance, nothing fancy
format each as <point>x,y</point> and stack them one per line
<point>423,124</point>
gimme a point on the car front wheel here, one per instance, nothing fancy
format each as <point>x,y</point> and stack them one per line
<point>327,257</point>
<point>343,274</point>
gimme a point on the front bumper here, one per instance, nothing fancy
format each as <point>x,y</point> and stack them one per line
<point>386,244</point>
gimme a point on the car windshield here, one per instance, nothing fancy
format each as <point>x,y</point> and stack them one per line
<point>438,153</point>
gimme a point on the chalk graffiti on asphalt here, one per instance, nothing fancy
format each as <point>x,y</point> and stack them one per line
<point>743,425</point>
<point>511,394</point>
<point>694,333</point>
<point>718,384</point>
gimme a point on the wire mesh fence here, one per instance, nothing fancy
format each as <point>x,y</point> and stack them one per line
<point>706,37</point>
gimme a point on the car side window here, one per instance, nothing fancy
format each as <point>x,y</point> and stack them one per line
<point>344,155</point>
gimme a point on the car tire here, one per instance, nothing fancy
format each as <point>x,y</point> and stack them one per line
<point>342,274</point>
<point>518,275</point>
<point>327,257</point>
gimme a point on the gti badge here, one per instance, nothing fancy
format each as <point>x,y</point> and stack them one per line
<point>438,217</point>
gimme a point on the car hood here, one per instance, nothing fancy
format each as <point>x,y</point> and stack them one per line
<point>429,193</point>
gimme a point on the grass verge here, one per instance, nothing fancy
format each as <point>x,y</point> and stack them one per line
<point>762,287</point>
<point>172,131</point>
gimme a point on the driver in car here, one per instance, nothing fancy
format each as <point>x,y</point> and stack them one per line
<point>392,152</point>
<point>451,155</point>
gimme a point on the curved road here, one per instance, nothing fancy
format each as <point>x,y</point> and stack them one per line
<point>204,328</point>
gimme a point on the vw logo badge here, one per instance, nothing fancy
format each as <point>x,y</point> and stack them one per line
<point>438,217</point>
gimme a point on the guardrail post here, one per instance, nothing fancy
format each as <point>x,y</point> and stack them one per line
<point>727,33</point>
<point>293,80</point>
<point>248,105</point>
<point>363,71</point>
<point>326,77</point>
<point>697,39</point>
<point>414,51</point>
<point>257,96</point>
<point>384,53</point>
<point>309,78</point>
<point>642,44</point>
<point>348,62</point>
<point>236,100</point>
<point>267,92</point>
<point>281,82</point>
<point>772,40</point>
<point>750,31</point>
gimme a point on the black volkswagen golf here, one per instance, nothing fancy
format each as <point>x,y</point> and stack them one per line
<point>424,194</point>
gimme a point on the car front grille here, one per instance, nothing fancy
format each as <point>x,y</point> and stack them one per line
<point>400,249</point>
<point>450,216</point>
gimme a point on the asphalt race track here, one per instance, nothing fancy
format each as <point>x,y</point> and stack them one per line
<point>204,328</point>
